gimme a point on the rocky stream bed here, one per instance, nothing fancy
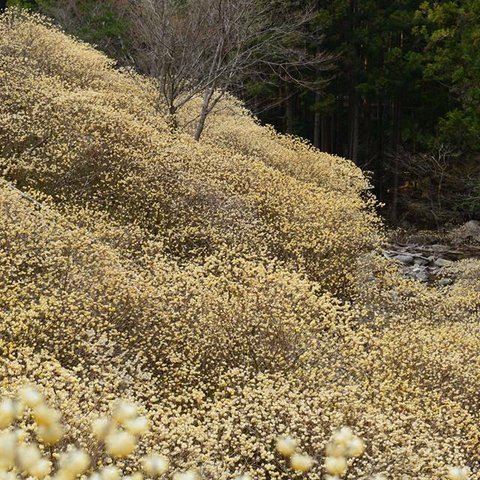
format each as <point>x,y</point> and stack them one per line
<point>425,255</point>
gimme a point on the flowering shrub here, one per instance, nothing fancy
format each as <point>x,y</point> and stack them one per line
<point>83,133</point>
<point>229,288</point>
<point>19,454</point>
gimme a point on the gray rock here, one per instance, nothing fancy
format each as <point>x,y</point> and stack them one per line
<point>468,231</point>
<point>422,276</point>
<point>445,281</point>
<point>404,258</point>
<point>473,224</point>
<point>442,262</point>
<point>421,261</point>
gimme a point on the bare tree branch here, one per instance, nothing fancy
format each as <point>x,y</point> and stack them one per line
<point>205,48</point>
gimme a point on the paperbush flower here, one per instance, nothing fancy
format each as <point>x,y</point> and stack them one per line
<point>231,289</point>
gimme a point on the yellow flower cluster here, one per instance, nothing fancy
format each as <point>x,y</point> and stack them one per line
<point>342,446</point>
<point>18,456</point>
<point>228,288</point>
<point>111,150</point>
<point>120,433</point>
<point>287,446</point>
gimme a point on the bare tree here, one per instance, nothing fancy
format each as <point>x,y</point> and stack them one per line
<point>430,180</point>
<point>209,47</point>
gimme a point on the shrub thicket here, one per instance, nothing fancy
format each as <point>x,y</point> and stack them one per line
<point>83,133</point>
<point>229,287</point>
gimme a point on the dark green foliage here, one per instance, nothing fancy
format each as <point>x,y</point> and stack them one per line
<point>95,21</point>
<point>31,4</point>
<point>406,87</point>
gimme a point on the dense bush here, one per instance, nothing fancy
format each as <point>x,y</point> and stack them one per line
<point>91,135</point>
<point>229,287</point>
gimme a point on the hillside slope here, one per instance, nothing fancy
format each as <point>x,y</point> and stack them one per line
<point>90,136</point>
<point>230,286</point>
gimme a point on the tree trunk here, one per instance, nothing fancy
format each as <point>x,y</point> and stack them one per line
<point>207,97</point>
<point>396,165</point>
<point>339,131</point>
<point>172,119</point>
<point>201,123</point>
<point>394,207</point>
<point>289,113</point>
<point>324,144</point>
<point>317,123</point>
<point>3,5</point>
<point>332,133</point>
<point>382,172</point>
<point>353,137</point>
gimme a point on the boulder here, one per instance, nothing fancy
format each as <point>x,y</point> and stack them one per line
<point>468,232</point>
<point>442,262</point>
<point>405,259</point>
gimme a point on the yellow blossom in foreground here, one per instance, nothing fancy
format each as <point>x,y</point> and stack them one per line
<point>355,447</point>
<point>8,442</point>
<point>100,427</point>
<point>41,468</point>
<point>134,476</point>
<point>136,426</point>
<point>286,446</point>
<point>45,416</point>
<point>50,435</point>
<point>155,464</point>
<point>7,413</point>
<point>28,456</point>
<point>458,473</point>
<point>336,465</point>
<point>188,475</point>
<point>244,476</point>
<point>301,463</point>
<point>343,436</point>
<point>124,411</point>
<point>75,462</point>
<point>110,473</point>
<point>30,396</point>
<point>120,444</point>
<point>7,475</point>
